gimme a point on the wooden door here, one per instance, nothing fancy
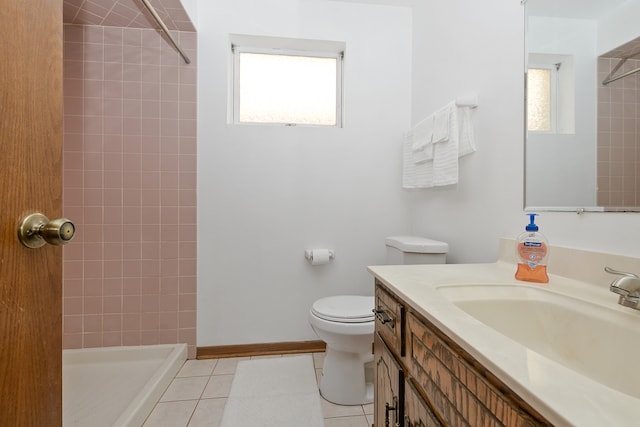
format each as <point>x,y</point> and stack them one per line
<point>30,181</point>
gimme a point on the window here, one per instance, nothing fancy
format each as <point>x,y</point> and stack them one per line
<point>540,100</point>
<point>285,81</point>
<point>551,100</point>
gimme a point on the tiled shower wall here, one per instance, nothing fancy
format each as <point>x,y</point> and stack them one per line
<point>618,136</point>
<point>130,188</point>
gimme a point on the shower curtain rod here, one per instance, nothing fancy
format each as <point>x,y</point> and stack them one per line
<point>165,30</point>
<point>619,76</point>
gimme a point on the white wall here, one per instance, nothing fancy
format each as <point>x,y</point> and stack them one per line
<point>459,46</point>
<point>562,167</point>
<point>618,28</point>
<point>191,7</point>
<point>268,193</point>
<point>462,47</point>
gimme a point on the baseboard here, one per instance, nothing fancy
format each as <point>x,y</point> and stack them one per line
<point>243,350</point>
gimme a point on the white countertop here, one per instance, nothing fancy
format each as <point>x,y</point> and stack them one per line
<point>563,396</point>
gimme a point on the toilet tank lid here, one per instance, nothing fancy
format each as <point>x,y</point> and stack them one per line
<point>417,244</point>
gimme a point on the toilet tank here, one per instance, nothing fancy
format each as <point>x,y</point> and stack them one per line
<point>415,250</point>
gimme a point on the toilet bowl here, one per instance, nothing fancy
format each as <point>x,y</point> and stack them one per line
<point>345,323</point>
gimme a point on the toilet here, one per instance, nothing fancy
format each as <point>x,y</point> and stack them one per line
<point>346,324</point>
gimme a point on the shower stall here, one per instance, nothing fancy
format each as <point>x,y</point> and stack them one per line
<point>129,185</point>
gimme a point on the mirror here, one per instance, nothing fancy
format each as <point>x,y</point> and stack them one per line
<point>582,148</point>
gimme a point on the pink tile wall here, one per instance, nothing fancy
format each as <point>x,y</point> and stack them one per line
<point>126,13</point>
<point>130,188</point>
<point>618,136</point>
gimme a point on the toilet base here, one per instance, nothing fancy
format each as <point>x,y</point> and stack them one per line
<point>344,380</point>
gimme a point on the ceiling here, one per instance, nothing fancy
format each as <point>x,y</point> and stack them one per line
<point>126,13</point>
<point>403,3</point>
<point>579,9</point>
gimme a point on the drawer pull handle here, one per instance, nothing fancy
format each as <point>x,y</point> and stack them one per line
<point>383,317</point>
<point>388,408</point>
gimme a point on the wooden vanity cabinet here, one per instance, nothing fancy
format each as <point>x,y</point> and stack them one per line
<point>439,384</point>
<point>416,411</point>
<point>388,349</point>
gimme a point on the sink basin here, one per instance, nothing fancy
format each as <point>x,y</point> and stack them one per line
<point>591,339</point>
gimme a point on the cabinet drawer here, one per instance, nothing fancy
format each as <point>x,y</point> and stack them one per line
<point>389,319</point>
<point>457,391</point>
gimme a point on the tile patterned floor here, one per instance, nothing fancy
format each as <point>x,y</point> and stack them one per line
<point>197,396</point>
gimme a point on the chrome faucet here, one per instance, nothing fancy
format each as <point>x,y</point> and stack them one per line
<point>627,286</point>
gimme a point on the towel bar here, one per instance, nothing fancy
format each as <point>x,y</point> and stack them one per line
<point>470,101</point>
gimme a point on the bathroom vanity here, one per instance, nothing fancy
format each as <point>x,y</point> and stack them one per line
<point>423,378</point>
<point>468,345</point>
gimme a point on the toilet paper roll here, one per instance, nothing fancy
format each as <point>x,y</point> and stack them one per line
<point>320,256</point>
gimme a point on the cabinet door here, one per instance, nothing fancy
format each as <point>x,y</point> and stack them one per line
<point>416,411</point>
<point>389,391</point>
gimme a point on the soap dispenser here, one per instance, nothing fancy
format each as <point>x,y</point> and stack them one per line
<point>532,250</point>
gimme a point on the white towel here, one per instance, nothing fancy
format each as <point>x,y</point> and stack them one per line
<point>467,143</point>
<point>420,151</point>
<point>421,138</point>
<point>442,168</point>
<point>415,175</point>
<point>422,133</point>
<point>445,152</point>
<point>442,125</point>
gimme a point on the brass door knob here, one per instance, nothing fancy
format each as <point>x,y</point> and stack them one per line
<point>36,229</point>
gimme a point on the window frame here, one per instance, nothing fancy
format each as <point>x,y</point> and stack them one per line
<point>260,48</point>
<point>553,97</point>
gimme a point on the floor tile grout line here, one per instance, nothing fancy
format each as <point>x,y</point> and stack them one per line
<point>212,374</point>
<point>192,413</point>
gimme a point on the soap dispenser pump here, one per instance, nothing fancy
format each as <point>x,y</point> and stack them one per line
<point>532,250</point>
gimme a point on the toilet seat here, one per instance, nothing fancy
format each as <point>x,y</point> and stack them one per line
<point>345,309</point>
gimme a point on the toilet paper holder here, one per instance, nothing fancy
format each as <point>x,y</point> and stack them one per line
<point>308,254</point>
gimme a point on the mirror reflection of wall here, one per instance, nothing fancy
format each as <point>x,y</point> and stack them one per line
<point>618,126</point>
<point>581,135</point>
<point>561,161</point>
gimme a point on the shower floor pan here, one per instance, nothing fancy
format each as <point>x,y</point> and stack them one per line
<point>116,386</point>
